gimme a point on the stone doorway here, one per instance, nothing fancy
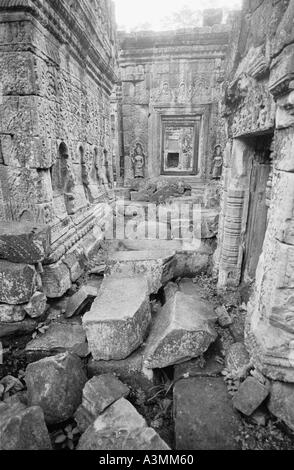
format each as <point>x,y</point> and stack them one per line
<point>257,205</point>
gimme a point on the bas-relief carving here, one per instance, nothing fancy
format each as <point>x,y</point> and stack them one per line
<point>185,92</point>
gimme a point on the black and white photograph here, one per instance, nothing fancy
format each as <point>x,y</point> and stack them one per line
<point>146,229</point>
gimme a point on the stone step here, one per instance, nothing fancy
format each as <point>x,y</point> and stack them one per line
<point>157,266</point>
<point>117,323</point>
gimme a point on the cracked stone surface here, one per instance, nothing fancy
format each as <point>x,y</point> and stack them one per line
<point>183,329</point>
<point>118,320</point>
<point>121,427</point>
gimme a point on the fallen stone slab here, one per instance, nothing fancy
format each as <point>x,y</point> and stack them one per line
<point>281,402</point>
<point>250,395</point>
<point>59,337</point>
<point>121,427</point>
<point>204,415</point>
<point>56,385</point>
<point>37,305</point>
<point>237,360</point>
<point>118,320</point>
<point>23,428</point>
<point>17,282</point>
<point>11,313</point>
<point>183,330</point>
<point>130,370</point>
<point>156,266</point>
<point>23,243</point>
<point>98,394</point>
<point>78,302</point>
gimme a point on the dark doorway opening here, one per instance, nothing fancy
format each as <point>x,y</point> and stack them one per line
<point>173,160</point>
<point>258,204</point>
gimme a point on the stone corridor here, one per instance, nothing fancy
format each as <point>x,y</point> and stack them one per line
<point>146,230</point>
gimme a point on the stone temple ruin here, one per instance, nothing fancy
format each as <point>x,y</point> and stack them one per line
<point>146,229</point>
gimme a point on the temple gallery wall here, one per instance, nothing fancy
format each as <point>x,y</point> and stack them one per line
<point>113,147</point>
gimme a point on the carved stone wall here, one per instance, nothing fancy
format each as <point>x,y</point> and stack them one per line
<point>57,72</point>
<point>259,100</point>
<point>173,76</point>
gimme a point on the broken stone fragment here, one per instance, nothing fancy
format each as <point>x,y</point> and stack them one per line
<point>130,370</point>
<point>11,313</point>
<point>17,282</point>
<point>237,360</point>
<point>56,280</point>
<point>37,305</point>
<point>23,243</point>
<point>156,266</point>
<point>59,337</point>
<point>204,416</point>
<point>99,393</point>
<point>56,385</point>
<point>281,402</point>
<point>183,330</point>
<point>23,428</point>
<point>121,427</point>
<point>78,302</point>
<point>223,317</point>
<point>250,395</point>
<point>118,320</point>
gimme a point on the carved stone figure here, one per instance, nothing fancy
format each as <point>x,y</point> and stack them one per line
<point>217,163</point>
<point>138,161</point>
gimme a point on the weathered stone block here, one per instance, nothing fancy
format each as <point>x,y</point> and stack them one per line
<point>237,360</point>
<point>183,329</point>
<point>59,337</point>
<point>281,402</point>
<point>37,305</point>
<point>121,427</point>
<point>130,370</point>
<point>250,395</point>
<point>11,313</point>
<point>98,394</point>
<point>78,302</point>
<point>23,428</point>
<point>56,385</point>
<point>22,243</point>
<point>157,267</point>
<point>56,280</point>
<point>117,322</point>
<point>17,329</point>
<point>204,415</point>
<point>17,282</point>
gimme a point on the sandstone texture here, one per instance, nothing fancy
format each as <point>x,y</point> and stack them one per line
<point>56,385</point>
<point>204,415</point>
<point>121,427</point>
<point>98,394</point>
<point>23,428</point>
<point>119,317</point>
<point>184,329</point>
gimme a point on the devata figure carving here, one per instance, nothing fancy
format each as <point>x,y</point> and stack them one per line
<point>138,161</point>
<point>217,162</point>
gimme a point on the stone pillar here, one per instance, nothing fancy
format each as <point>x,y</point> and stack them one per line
<point>236,176</point>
